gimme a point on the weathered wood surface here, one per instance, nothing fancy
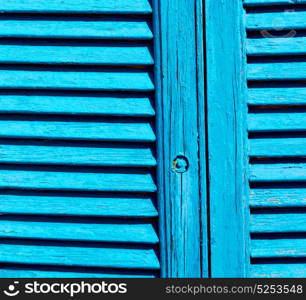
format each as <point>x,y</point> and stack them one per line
<point>57,204</point>
<point>226,137</point>
<point>78,255</point>
<point>78,6</point>
<point>180,106</point>
<point>75,28</point>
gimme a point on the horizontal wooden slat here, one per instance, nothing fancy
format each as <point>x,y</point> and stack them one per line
<point>278,172</point>
<point>124,131</point>
<point>275,20</point>
<point>272,2</point>
<point>277,122</point>
<point>78,6</point>
<point>67,155</point>
<point>76,54</point>
<point>278,147</point>
<point>290,197</point>
<point>117,105</point>
<point>290,222</point>
<point>51,254</point>
<point>98,206</point>
<point>76,80</point>
<point>81,230</point>
<point>85,28</point>
<point>278,248</point>
<point>277,96</point>
<point>278,271</point>
<point>85,181</point>
<point>276,46</point>
<point>277,71</point>
<point>6,272</point>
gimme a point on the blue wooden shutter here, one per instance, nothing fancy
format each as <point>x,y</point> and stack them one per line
<point>77,139</point>
<point>276,73</point>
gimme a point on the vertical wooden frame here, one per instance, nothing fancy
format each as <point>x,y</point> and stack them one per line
<point>181,137</point>
<point>227,137</point>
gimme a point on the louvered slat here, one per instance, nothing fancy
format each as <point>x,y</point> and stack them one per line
<point>19,272</point>
<point>76,80</point>
<point>80,230</point>
<point>74,28</point>
<point>272,2</point>
<point>74,53</point>
<point>78,205</point>
<point>294,270</point>
<point>48,103</point>
<point>103,131</point>
<point>78,255</point>
<point>278,172</point>
<point>274,248</point>
<point>132,156</point>
<point>277,96</point>
<point>281,222</point>
<point>111,181</point>
<point>277,71</point>
<point>278,147</point>
<point>270,21</point>
<point>276,46</point>
<point>285,197</point>
<point>261,122</point>
<point>90,6</point>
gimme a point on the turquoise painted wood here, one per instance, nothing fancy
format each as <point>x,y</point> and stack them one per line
<point>14,272</point>
<point>226,105</point>
<point>278,197</point>
<point>46,102</point>
<point>75,28</point>
<point>181,138</point>
<point>78,190</point>
<point>71,79</point>
<point>78,255</point>
<point>63,204</point>
<point>276,101</point>
<point>105,130</point>
<point>91,6</point>
<point>74,53</point>
<point>272,2</point>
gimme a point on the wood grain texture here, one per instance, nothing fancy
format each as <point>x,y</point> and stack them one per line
<point>109,131</point>
<point>75,28</point>
<point>263,122</point>
<point>78,205</point>
<point>76,80</point>
<point>226,137</point>
<point>279,222</point>
<point>77,255</point>
<point>272,2</point>
<point>6,272</point>
<point>75,54</point>
<point>179,97</point>
<point>278,172</point>
<point>77,230</point>
<point>79,6</point>
<point>277,71</point>
<point>277,96</point>
<point>275,20</point>
<point>290,197</point>
<point>80,180</point>
<point>108,105</point>
<point>278,248</point>
<point>137,156</point>
<point>276,46</point>
<point>278,147</point>
<point>295,270</point>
